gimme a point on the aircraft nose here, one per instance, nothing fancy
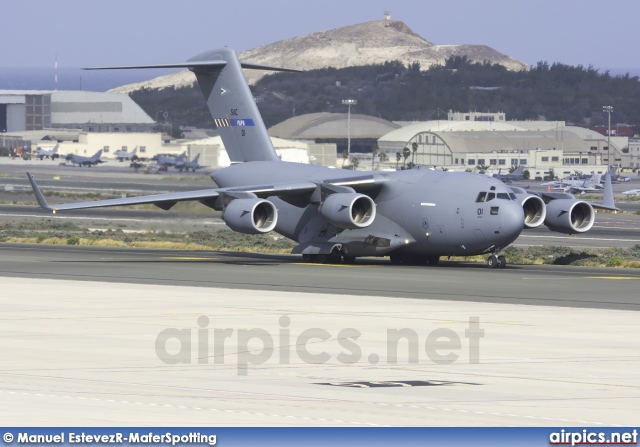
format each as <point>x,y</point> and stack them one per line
<point>512,221</point>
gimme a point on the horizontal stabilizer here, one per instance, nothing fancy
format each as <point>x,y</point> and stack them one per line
<point>196,64</point>
<point>177,65</point>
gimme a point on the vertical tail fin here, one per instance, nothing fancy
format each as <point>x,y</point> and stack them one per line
<point>232,106</point>
<point>234,111</point>
<point>608,203</point>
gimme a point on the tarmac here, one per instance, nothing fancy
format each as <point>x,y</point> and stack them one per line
<point>87,353</point>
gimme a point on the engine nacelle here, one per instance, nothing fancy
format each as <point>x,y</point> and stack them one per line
<point>250,216</point>
<point>348,210</point>
<point>535,210</point>
<point>569,216</point>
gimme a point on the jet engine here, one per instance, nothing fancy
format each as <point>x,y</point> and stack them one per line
<point>569,216</point>
<point>534,208</point>
<point>535,211</point>
<point>348,210</point>
<point>250,216</point>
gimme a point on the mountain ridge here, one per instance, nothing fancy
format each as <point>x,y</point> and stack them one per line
<point>367,43</point>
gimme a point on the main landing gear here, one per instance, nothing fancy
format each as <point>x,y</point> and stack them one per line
<point>496,261</point>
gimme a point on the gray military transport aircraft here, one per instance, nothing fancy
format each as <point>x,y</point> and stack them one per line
<point>412,216</point>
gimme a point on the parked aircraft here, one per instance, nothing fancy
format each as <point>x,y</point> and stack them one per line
<point>167,162</point>
<point>576,185</point>
<point>414,215</point>
<point>85,161</point>
<point>43,153</point>
<point>122,154</point>
<point>514,176</point>
<point>615,177</point>
<point>632,192</point>
<point>189,165</point>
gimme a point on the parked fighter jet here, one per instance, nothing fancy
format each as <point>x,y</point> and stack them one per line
<point>415,215</point>
<point>575,185</point>
<point>43,153</point>
<point>514,176</point>
<point>167,162</point>
<point>189,165</point>
<point>122,154</point>
<point>85,161</point>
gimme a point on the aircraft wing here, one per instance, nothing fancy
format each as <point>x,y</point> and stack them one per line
<point>166,201</point>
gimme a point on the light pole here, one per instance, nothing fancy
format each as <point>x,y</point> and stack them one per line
<point>349,103</point>
<point>608,109</point>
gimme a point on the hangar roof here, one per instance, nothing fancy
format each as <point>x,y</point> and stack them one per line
<point>406,133</point>
<point>331,125</point>
<point>461,142</point>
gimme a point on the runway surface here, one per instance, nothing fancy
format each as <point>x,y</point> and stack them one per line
<point>453,281</point>
<point>91,353</point>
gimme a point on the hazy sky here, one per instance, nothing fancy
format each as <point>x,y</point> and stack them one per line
<point>85,33</point>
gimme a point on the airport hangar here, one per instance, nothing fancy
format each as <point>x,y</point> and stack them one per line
<point>539,145</point>
<point>81,122</point>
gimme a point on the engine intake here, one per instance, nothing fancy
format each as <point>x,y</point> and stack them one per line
<point>535,211</point>
<point>348,210</point>
<point>569,216</point>
<point>250,216</point>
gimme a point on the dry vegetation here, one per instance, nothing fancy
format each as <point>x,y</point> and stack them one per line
<point>66,233</point>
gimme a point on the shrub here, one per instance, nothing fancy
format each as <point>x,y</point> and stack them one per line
<point>73,240</point>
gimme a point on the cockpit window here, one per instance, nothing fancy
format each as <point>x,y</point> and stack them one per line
<point>513,196</point>
<point>491,196</point>
<point>481,197</point>
<point>503,196</point>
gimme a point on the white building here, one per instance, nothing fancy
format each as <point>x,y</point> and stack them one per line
<point>22,110</point>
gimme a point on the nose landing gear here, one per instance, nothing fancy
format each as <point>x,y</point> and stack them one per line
<point>496,261</point>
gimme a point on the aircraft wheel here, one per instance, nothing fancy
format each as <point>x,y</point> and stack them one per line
<point>396,258</point>
<point>502,262</point>
<point>492,262</point>
<point>307,258</point>
<point>349,259</point>
<point>322,259</point>
<point>433,260</point>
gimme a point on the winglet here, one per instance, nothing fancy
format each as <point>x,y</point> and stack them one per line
<point>39,197</point>
<point>608,202</point>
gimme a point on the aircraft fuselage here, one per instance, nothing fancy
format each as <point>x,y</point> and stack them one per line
<point>421,211</point>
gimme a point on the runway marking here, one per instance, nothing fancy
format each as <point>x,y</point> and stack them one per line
<point>613,277</point>
<point>311,264</point>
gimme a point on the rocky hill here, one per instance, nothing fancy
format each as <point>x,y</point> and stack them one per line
<point>366,43</point>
